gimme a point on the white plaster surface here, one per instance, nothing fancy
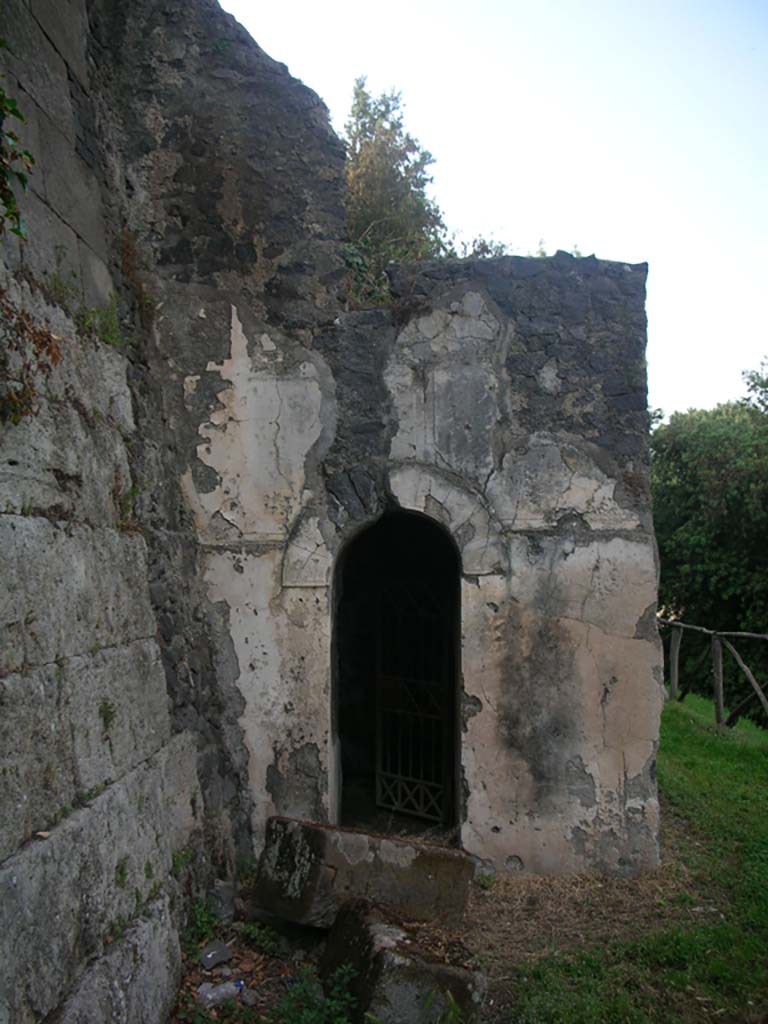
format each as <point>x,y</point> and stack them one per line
<point>611,693</point>
<point>256,441</point>
<point>281,637</point>
<point>608,582</point>
<point>307,562</point>
<point>550,479</point>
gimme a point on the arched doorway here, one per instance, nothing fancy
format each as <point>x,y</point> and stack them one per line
<point>396,662</point>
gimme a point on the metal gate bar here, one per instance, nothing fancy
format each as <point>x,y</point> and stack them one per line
<point>411,747</point>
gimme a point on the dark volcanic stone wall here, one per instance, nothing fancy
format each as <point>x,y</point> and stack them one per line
<point>224,180</point>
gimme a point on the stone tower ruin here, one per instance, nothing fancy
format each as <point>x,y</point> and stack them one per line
<point>264,554</point>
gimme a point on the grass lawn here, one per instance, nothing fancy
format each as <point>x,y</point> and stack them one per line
<point>714,788</point>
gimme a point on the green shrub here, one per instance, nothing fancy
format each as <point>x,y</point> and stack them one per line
<point>308,1003</point>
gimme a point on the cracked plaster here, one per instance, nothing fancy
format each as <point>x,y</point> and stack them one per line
<point>256,441</point>
<point>558,569</point>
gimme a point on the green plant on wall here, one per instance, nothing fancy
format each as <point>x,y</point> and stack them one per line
<point>15,165</point>
<point>102,322</point>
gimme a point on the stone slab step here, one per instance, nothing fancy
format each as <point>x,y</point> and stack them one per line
<point>308,871</point>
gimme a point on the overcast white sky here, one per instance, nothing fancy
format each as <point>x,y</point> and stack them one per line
<point>636,131</point>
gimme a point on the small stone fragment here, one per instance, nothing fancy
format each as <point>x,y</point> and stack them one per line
<point>249,997</point>
<point>215,953</point>
<point>221,901</point>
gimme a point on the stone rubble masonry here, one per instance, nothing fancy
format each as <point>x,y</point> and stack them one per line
<point>125,985</point>
<point>307,872</point>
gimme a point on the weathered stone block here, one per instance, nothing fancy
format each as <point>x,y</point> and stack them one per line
<point>58,252</point>
<point>119,710</point>
<point>66,25</point>
<point>308,871</point>
<point>64,464</point>
<point>91,376</point>
<point>10,251</point>
<point>73,191</point>
<point>394,982</point>
<point>34,62</point>
<point>97,281</point>
<point>136,981</point>
<point>35,755</point>
<point>64,898</point>
<point>68,591</point>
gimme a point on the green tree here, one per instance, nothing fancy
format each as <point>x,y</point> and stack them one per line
<point>390,216</point>
<point>757,386</point>
<point>709,476</point>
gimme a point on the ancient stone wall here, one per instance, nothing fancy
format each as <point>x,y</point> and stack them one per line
<point>217,429</point>
<point>179,170</point>
<point>504,399</point>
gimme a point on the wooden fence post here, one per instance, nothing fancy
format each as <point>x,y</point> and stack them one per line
<point>752,681</point>
<point>717,665</point>
<point>674,661</point>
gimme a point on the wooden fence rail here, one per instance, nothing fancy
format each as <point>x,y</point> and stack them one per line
<point>719,639</point>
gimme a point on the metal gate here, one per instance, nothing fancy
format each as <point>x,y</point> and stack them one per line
<point>414,696</point>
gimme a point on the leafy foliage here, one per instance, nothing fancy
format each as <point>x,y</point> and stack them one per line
<point>307,1002</point>
<point>709,478</point>
<point>483,248</point>
<point>201,922</point>
<point>757,386</point>
<point>390,216</point>
<point>102,322</point>
<point>15,165</point>
<point>261,937</point>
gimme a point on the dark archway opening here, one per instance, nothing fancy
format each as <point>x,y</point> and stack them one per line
<point>396,663</point>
